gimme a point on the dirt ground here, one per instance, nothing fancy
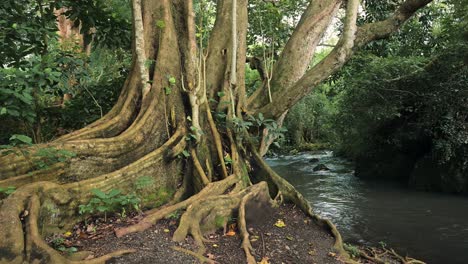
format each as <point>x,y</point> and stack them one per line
<point>284,235</point>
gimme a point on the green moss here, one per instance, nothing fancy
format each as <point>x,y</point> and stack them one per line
<point>220,221</point>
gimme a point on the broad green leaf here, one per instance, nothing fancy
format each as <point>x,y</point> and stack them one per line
<point>99,193</point>
<point>21,138</point>
<point>114,192</point>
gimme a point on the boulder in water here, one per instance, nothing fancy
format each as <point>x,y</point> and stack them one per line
<point>321,167</point>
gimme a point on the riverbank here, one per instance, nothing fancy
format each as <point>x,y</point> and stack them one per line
<point>424,225</point>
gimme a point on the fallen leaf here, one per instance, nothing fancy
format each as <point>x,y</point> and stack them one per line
<point>231,233</point>
<point>166,230</point>
<point>331,254</point>
<point>312,252</point>
<point>67,234</point>
<point>280,223</point>
<point>215,245</point>
<point>289,238</point>
<point>264,261</point>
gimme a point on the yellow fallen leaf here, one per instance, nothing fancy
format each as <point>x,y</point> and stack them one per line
<point>264,261</point>
<point>166,230</point>
<point>253,238</point>
<point>280,223</point>
<point>67,234</point>
<point>215,245</point>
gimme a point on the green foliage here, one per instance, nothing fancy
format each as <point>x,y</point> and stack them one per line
<point>160,24</point>
<point>50,156</point>
<point>252,80</point>
<point>408,99</point>
<point>352,250</point>
<point>144,182</point>
<point>110,19</point>
<point>37,70</point>
<point>174,215</point>
<point>112,201</point>
<point>18,140</point>
<point>310,120</point>
<point>382,244</point>
<point>272,22</point>
<point>15,143</point>
<point>6,191</point>
<point>219,221</point>
<point>58,242</point>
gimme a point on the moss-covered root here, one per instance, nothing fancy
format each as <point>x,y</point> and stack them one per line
<point>20,240</point>
<point>212,189</point>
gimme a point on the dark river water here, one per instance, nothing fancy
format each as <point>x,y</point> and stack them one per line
<point>429,226</point>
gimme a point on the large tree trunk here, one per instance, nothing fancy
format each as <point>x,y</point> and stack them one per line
<point>156,120</point>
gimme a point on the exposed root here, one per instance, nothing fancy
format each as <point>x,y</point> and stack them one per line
<point>207,210</point>
<point>243,230</point>
<point>201,258</point>
<point>37,248</point>
<point>214,188</point>
<point>21,241</point>
<point>372,255</point>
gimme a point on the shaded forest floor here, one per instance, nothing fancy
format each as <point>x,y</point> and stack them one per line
<point>285,235</point>
<point>278,236</point>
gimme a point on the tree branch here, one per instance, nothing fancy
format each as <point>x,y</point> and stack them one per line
<point>299,50</point>
<point>352,39</point>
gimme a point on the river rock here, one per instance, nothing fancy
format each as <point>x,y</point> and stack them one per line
<point>314,160</point>
<point>321,167</point>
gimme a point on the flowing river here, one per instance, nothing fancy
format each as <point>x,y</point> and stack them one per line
<point>432,227</point>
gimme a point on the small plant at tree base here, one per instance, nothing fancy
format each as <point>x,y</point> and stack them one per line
<point>51,156</point>
<point>59,244</point>
<point>382,244</point>
<point>144,182</point>
<point>48,156</point>
<point>110,202</point>
<point>174,215</point>
<point>16,142</point>
<point>352,250</point>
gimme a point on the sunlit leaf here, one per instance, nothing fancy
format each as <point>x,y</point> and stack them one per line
<point>280,223</point>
